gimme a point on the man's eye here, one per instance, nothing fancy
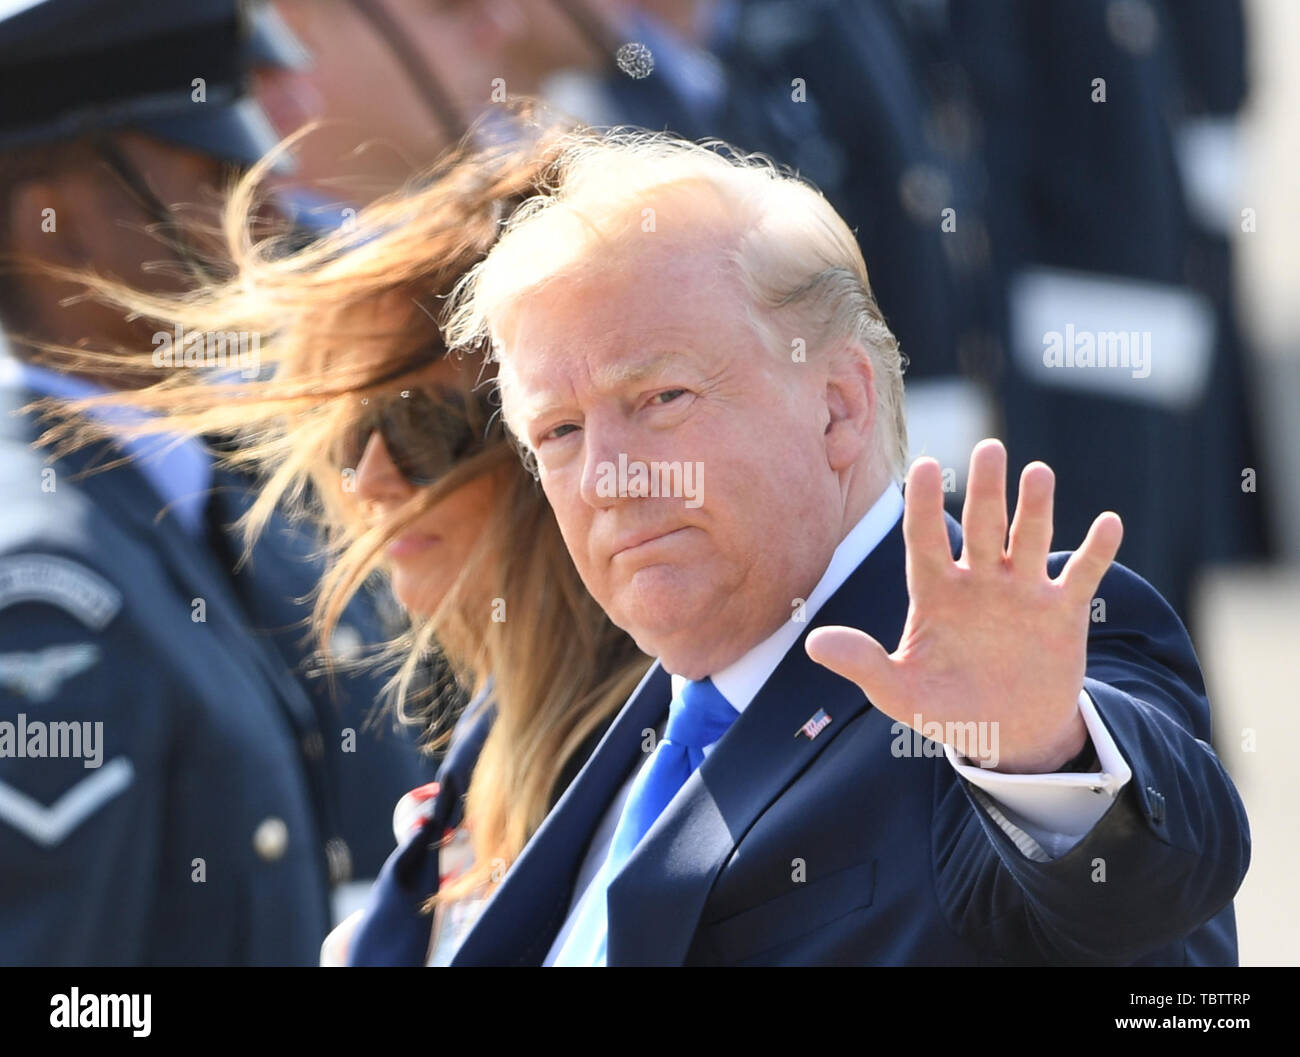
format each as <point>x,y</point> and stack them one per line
<point>667,396</point>
<point>558,431</point>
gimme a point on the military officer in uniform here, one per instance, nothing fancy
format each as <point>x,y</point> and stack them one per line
<point>853,96</point>
<point>176,785</point>
<point>1110,349</point>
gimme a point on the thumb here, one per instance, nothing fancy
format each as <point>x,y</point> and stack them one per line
<point>856,656</point>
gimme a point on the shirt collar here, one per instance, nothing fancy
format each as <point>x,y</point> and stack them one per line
<point>178,468</point>
<point>741,681</point>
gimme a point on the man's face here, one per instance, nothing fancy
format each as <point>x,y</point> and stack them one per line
<point>524,41</point>
<point>115,224</point>
<point>377,128</point>
<point>103,226</point>
<point>652,361</point>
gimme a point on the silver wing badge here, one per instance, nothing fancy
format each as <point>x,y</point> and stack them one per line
<point>38,675</point>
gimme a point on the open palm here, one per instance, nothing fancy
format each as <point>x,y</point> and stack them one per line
<point>990,638</point>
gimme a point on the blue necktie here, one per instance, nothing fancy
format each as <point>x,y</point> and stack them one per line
<point>698,717</point>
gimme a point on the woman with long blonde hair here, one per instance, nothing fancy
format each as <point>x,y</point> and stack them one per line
<point>360,419</point>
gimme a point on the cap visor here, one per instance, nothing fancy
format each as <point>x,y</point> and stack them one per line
<point>238,133</point>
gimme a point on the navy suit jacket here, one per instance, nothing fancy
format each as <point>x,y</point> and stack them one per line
<point>832,851</point>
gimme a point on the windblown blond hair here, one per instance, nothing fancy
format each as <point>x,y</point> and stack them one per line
<point>344,320</point>
<point>795,257</point>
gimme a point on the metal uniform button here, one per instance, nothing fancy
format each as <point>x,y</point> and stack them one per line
<point>969,248</point>
<point>924,190</point>
<point>339,858</point>
<point>1133,25</point>
<point>271,839</point>
<point>346,643</point>
<point>951,127</point>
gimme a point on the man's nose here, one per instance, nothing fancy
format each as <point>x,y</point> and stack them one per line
<point>377,478</point>
<point>603,443</point>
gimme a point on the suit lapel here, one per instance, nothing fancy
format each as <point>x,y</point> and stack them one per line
<point>520,924</point>
<point>655,903</point>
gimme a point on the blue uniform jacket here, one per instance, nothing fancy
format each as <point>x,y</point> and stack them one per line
<point>174,789</point>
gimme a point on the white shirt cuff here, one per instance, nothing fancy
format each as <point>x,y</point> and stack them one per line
<point>1048,814</point>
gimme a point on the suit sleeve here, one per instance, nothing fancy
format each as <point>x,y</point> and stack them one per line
<point>1167,855</point>
<point>83,736</point>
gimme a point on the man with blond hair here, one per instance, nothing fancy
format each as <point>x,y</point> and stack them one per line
<point>871,736</point>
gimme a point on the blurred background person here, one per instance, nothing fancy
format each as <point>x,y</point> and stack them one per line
<point>376,81</point>
<point>857,97</point>
<point>224,791</point>
<point>1123,368</point>
<point>1211,58</point>
<point>388,84</point>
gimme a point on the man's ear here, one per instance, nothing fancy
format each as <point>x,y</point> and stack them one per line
<point>851,403</point>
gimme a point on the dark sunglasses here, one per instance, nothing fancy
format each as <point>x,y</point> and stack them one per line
<point>426,431</point>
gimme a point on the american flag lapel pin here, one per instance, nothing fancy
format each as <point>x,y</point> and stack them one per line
<point>817,722</point>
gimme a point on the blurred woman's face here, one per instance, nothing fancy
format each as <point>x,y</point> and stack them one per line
<point>432,549</point>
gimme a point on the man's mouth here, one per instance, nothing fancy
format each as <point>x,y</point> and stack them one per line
<point>632,543</point>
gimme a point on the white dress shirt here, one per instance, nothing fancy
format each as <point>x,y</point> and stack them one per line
<point>1044,814</point>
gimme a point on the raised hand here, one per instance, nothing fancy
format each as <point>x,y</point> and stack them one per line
<point>990,638</point>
